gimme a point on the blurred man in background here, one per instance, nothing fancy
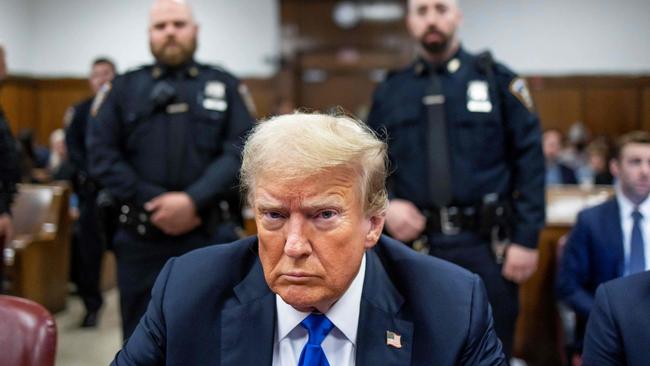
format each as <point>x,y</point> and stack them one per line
<point>89,246</point>
<point>556,172</point>
<point>166,143</point>
<point>9,174</point>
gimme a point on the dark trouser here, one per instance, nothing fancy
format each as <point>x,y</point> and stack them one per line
<point>87,254</point>
<point>469,251</point>
<point>138,263</point>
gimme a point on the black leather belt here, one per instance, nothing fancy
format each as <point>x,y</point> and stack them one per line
<point>453,220</point>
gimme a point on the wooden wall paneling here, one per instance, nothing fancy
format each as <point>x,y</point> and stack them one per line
<point>265,96</point>
<point>55,96</point>
<point>350,90</point>
<point>18,100</point>
<point>612,111</point>
<point>645,109</point>
<point>558,107</point>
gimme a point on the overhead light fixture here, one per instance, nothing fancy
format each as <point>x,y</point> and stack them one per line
<point>348,14</point>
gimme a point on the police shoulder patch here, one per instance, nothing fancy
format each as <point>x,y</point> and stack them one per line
<point>100,98</point>
<point>519,89</point>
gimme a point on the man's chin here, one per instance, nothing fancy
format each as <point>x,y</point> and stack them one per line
<point>173,59</point>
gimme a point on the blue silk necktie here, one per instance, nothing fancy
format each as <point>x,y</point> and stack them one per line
<point>318,326</point>
<point>637,255</point>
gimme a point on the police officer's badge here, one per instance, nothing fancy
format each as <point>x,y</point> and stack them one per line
<point>478,97</point>
<point>519,89</point>
<point>100,98</point>
<point>215,89</point>
<point>215,96</point>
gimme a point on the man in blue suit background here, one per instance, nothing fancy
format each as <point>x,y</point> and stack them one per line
<point>603,244</point>
<point>619,326</point>
<point>319,285</point>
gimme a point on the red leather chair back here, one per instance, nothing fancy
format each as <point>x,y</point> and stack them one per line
<point>27,333</point>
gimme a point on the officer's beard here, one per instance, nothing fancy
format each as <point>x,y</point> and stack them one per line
<point>435,48</point>
<point>173,53</point>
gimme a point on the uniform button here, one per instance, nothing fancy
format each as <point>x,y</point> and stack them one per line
<point>125,209</point>
<point>123,219</point>
<point>143,217</point>
<point>142,230</point>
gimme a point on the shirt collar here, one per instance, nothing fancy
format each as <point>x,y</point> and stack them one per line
<point>627,207</point>
<point>344,314</point>
<point>190,69</point>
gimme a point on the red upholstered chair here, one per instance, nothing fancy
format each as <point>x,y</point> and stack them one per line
<point>27,333</point>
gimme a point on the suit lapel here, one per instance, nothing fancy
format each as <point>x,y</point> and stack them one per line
<point>612,221</point>
<point>380,304</point>
<point>247,331</point>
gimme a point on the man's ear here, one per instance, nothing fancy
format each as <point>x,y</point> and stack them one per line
<point>374,230</point>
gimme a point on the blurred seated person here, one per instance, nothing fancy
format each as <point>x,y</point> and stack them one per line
<point>319,284</point>
<point>607,240</point>
<point>574,154</point>
<point>619,326</point>
<point>59,165</point>
<point>556,172</point>
<point>33,158</point>
<point>599,156</point>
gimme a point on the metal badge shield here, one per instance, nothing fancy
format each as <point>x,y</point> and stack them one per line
<point>215,89</point>
<point>478,97</point>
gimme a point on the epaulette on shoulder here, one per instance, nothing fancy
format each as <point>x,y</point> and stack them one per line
<point>485,62</point>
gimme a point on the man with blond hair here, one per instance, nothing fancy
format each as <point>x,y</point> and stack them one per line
<point>319,285</point>
<point>165,141</point>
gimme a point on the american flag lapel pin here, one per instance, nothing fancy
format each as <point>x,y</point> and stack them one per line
<point>393,339</point>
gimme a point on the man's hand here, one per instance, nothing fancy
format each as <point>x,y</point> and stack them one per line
<point>174,213</point>
<point>404,221</point>
<point>520,264</point>
<point>6,228</point>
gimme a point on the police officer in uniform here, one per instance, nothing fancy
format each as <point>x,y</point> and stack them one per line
<point>9,175</point>
<point>465,145</point>
<point>166,142</point>
<point>88,247</point>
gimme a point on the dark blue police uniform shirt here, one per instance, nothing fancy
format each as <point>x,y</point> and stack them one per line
<point>495,143</point>
<point>191,143</point>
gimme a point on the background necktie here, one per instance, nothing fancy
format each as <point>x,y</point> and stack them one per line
<point>318,327</point>
<point>437,146</point>
<point>637,255</point>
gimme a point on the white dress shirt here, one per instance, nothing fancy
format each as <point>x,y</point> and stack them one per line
<point>339,345</point>
<point>626,207</point>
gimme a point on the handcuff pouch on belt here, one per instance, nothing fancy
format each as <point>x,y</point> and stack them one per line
<point>495,225</point>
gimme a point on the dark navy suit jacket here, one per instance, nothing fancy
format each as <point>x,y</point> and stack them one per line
<point>593,255</point>
<point>213,307</point>
<point>568,174</point>
<point>618,331</point>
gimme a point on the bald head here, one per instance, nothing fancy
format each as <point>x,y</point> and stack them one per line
<point>172,32</point>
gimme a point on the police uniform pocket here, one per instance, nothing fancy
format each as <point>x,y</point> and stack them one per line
<point>406,131</point>
<point>208,131</point>
<point>482,141</point>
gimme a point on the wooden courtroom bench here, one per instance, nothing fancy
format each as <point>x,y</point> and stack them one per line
<point>539,335</point>
<point>37,259</point>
